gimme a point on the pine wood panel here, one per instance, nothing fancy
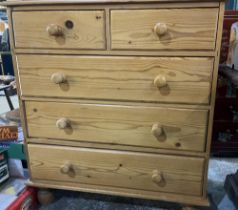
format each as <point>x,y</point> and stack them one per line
<point>188,29</point>
<point>116,191</point>
<point>211,49</point>
<point>69,2</point>
<point>128,5</point>
<point>178,53</point>
<point>62,142</point>
<point>116,168</point>
<point>30,29</point>
<point>132,78</point>
<point>183,129</point>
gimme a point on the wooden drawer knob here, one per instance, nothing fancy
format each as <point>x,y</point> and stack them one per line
<point>160,81</point>
<point>157,131</point>
<point>55,30</point>
<point>157,177</point>
<point>160,29</point>
<point>58,78</point>
<point>66,168</point>
<point>62,123</point>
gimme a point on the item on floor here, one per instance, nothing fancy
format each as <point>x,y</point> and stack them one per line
<point>14,186</point>
<point>231,187</point>
<point>4,172</point>
<point>16,168</point>
<point>10,82</point>
<point>230,17</point>
<point>225,127</point>
<point>14,115</point>
<point>15,149</point>
<point>133,117</point>
<point>27,200</point>
<point>17,196</point>
<point>6,79</point>
<point>8,132</point>
<point>5,88</point>
<point>233,47</point>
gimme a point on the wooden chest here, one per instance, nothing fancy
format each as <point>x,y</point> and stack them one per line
<point>117,97</point>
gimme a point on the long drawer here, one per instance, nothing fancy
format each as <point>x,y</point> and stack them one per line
<point>159,29</point>
<point>161,79</point>
<point>59,29</point>
<point>157,127</point>
<point>130,170</point>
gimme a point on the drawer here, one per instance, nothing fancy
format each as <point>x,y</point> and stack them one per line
<point>59,29</point>
<point>154,127</point>
<point>158,29</point>
<point>147,172</point>
<point>152,79</point>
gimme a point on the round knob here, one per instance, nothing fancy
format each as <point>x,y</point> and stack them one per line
<point>160,29</point>
<point>160,81</point>
<point>62,123</point>
<point>66,168</point>
<point>58,78</point>
<point>157,177</point>
<point>55,30</point>
<point>157,130</point>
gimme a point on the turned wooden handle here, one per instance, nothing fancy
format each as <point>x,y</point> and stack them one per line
<point>160,81</point>
<point>58,78</point>
<point>55,30</point>
<point>66,168</point>
<point>62,123</point>
<point>160,29</point>
<point>157,130</point>
<point>157,177</point>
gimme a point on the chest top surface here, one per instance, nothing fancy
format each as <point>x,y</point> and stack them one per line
<point>40,2</point>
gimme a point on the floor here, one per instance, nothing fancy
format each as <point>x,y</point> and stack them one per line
<point>66,200</point>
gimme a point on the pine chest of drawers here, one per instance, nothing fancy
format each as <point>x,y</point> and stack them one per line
<point>117,97</point>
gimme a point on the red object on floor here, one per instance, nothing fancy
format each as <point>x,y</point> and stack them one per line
<point>27,200</point>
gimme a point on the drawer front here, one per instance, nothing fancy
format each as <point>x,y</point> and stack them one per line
<point>147,172</point>
<point>156,127</point>
<point>161,79</point>
<point>59,29</point>
<point>157,29</point>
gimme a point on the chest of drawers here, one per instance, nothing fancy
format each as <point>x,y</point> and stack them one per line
<point>117,97</point>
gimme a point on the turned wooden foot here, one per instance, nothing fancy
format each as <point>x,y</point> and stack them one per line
<point>45,197</point>
<point>187,208</point>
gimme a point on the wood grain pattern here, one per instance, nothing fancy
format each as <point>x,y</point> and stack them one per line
<point>213,94</point>
<point>116,191</point>
<point>177,53</point>
<point>68,2</point>
<point>122,169</point>
<point>94,145</point>
<point>132,78</point>
<point>187,29</point>
<point>127,5</point>
<point>118,43</point>
<point>87,33</point>
<point>128,125</point>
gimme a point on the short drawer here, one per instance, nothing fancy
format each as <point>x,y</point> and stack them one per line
<point>158,29</point>
<point>130,170</point>
<point>151,79</point>
<point>59,29</point>
<point>152,127</point>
